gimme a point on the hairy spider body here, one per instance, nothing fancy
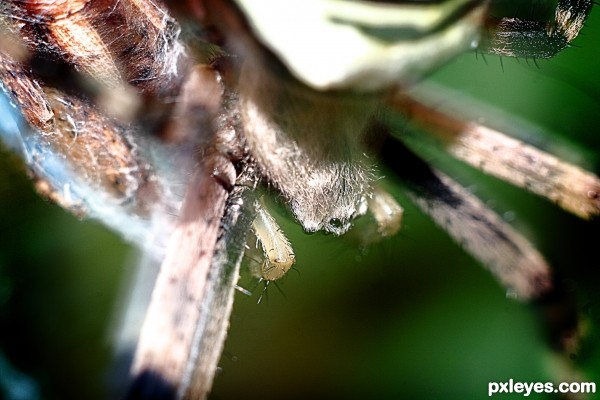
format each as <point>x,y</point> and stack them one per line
<point>311,147</point>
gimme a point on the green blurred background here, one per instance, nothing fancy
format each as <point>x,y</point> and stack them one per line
<point>410,317</point>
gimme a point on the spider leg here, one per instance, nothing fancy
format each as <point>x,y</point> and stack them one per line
<point>183,333</point>
<point>387,212</point>
<point>507,254</point>
<point>493,152</point>
<point>79,157</point>
<point>277,250</point>
<point>137,44</point>
<point>385,218</point>
<point>515,263</point>
<point>515,37</point>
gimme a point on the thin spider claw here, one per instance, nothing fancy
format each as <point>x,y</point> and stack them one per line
<point>264,293</point>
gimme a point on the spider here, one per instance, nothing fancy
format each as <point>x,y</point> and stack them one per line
<point>115,104</point>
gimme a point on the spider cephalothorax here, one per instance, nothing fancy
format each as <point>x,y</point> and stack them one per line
<point>311,140</point>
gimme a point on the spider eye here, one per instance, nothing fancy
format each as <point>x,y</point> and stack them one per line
<point>335,225</point>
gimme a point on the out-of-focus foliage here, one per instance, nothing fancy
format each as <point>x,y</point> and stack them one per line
<point>58,281</point>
